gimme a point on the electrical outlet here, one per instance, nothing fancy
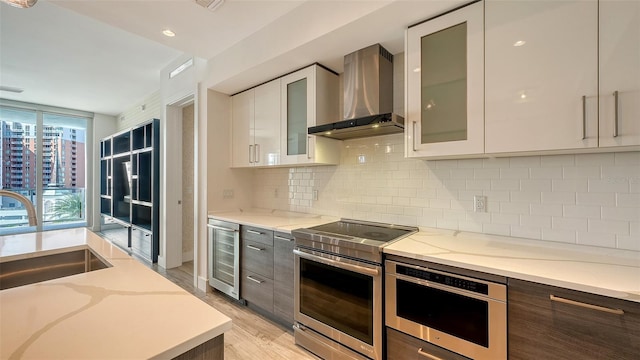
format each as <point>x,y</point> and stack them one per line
<point>315,194</point>
<point>227,194</point>
<point>479,203</point>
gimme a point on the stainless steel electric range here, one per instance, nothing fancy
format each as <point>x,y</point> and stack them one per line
<point>338,287</point>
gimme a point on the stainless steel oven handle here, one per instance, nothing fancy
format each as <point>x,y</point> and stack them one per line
<point>427,355</point>
<point>221,228</point>
<point>355,268</point>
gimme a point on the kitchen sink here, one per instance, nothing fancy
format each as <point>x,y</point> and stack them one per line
<point>33,270</point>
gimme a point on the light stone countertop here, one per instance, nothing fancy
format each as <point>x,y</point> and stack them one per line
<point>124,311</point>
<point>603,271</point>
<point>275,220</point>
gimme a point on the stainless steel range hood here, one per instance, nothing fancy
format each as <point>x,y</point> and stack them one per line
<point>368,97</point>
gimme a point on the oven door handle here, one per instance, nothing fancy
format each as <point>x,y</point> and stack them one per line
<point>355,268</point>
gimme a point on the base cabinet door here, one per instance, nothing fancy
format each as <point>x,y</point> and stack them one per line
<point>401,346</point>
<point>547,322</point>
<point>283,277</point>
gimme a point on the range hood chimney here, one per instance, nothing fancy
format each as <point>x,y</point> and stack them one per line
<point>368,97</point>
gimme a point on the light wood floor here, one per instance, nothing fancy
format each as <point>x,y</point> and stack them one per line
<point>252,337</point>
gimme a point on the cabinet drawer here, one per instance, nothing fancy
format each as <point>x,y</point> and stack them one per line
<point>257,257</point>
<point>141,243</point>
<point>257,234</point>
<point>401,346</point>
<point>539,326</point>
<point>257,290</point>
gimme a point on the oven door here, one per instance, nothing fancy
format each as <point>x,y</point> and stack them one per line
<point>340,299</point>
<point>461,321</point>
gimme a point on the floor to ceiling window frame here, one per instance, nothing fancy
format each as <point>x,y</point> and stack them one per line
<point>41,112</point>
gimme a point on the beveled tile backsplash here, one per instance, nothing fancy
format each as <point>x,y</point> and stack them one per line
<point>590,199</point>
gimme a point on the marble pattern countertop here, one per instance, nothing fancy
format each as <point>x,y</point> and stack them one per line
<point>275,220</point>
<point>124,311</point>
<point>608,272</point>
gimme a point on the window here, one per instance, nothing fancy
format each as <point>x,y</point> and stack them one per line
<point>36,137</point>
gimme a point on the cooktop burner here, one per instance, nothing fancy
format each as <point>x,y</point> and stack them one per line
<point>381,232</point>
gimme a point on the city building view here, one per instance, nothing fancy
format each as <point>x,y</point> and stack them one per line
<point>62,173</point>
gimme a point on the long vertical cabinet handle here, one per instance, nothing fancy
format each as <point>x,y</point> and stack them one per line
<point>414,136</point>
<point>250,154</point>
<point>584,117</point>
<point>308,147</point>
<point>615,111</point>
<point>257,155</point>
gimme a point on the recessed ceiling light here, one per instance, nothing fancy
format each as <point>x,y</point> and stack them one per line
<point>519,43</point>
<point>168,32</point>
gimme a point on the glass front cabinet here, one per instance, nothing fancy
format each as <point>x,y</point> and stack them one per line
<point>309,97</point>
<point>445,85</point>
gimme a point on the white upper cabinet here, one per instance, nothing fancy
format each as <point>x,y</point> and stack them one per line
<point>256,126</point>
<point>242,115</point>
<point>267,124</point>
<point>445,84</point>
<point>619,73</point>
<point>541,75</point>
<point>309,97</point>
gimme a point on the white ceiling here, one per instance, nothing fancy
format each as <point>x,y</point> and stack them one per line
<point>104,56</point>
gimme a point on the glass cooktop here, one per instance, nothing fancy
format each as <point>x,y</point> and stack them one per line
<point>381,232</point>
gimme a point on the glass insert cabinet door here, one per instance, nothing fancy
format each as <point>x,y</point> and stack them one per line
<point>298,108</point>
<point>445,82</point>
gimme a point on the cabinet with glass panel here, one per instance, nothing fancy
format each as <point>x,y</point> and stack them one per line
<point>309,97</point>
<point>445,85</point>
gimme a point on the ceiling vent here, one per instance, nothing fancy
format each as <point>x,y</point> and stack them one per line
<point>212,5</point>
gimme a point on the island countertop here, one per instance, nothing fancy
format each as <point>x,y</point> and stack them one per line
<point>124,311</point>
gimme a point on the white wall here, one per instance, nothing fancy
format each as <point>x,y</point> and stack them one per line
<point>590,199</point>
<point>103,126</point>
<point>148,108</point>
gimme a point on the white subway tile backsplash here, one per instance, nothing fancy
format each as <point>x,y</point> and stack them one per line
<point>505,184</point>
<point>525,197</point>
<point>496,229</point>
<point>585,172</point>
<point>609,226</point>
<point>596,239</point>
<point>526,232</point>
<point>487,173</point>
<point>627,158</point>
<point>628,200</point>
<point>558,197</point>
<point>526,162</point>
<point>566,198</point>
<point>575,224</point>
<point>570,185</point>
<point>621,213</point>
<point>514,173</point>
<point>609,185</point>
<point>546,209</point>
<point>628,242</point>
<point>535,185</point>
<point>600,199</point>
<point>567,236</point>
<point>538,221</point>
<point>594,159</point>
<point>557,160</point>
<point>581,211</point>
<point>546,173</point>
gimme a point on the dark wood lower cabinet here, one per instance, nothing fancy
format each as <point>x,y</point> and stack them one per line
<point>540,327</point>
<point>401,346</point>
<point>283,277</point>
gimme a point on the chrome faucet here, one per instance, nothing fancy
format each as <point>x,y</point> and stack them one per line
<point>31,211</point>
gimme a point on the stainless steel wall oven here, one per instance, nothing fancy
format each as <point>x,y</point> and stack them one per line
<point>338,288</point>
<point>462,314</point>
